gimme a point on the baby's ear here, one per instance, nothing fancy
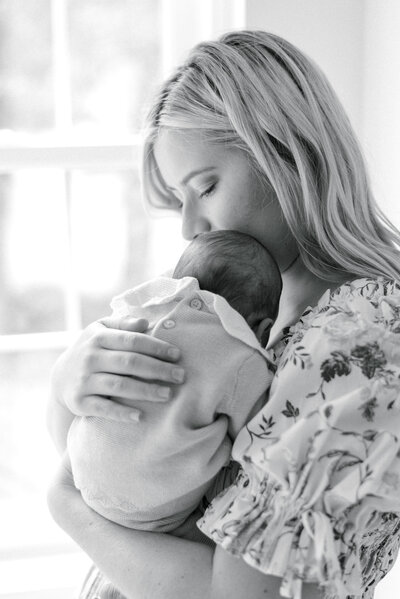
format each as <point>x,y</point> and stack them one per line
<point>263,330</point>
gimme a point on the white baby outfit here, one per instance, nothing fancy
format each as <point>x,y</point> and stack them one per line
<point>152,475</point>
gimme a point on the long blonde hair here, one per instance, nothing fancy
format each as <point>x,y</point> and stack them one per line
<point>256,92</point>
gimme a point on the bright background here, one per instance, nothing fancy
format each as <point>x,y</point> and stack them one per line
<point>75,79</point>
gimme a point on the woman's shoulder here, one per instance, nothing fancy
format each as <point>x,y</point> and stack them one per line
<point>366,289</point>
<point>348,309</point>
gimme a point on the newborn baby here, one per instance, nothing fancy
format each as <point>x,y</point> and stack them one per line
<point>218,308</point>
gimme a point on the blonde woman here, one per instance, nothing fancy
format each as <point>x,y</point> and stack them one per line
<point>248,135</point>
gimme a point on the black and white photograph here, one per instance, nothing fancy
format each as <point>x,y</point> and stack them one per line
<point>199,299</point>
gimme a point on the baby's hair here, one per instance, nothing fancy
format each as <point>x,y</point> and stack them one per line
<point>256,92</point>
<point>237,267</point>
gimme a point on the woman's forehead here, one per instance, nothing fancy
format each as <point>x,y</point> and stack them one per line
<point>185,143</point>
<point>180,151</point>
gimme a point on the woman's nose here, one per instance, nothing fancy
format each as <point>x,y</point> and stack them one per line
<point>193,224</point>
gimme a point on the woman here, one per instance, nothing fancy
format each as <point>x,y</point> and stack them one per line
<point>248,135</point>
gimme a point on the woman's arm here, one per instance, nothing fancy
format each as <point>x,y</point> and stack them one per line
<point>149,565</point>
<point>58,417</point>
<point>141,564</point>
<point>103,363</point>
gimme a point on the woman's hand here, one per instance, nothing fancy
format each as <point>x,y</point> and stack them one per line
<point>113,359</point>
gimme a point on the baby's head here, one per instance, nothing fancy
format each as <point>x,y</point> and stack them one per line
<point>240,269</point>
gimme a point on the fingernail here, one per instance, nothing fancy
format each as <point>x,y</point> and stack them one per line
<point>164,392</point>
<point>134,416</point>
<point>174,353</point>
<point>178,374</point>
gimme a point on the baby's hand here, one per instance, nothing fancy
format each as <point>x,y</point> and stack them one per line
<point>112,358</point>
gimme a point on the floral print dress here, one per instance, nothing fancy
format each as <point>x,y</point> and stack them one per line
<point>317,498</point>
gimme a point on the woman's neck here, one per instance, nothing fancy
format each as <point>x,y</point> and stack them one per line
<point>300,289</point>
<point>300,285</point>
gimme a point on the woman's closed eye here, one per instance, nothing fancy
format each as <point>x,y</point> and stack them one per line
<point>207,192</point>
<point>178,204</point>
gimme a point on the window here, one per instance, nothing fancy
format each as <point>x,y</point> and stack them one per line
<point>75,76</point>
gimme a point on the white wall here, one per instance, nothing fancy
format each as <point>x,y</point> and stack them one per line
<point>381,101</point>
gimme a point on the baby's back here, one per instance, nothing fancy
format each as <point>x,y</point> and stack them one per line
<point>152,475</point>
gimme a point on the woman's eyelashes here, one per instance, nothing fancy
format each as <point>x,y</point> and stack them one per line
<point>178,203</point>
<point>207,192</point>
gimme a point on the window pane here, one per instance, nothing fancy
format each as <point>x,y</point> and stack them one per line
<point>27,457</point>
<point>37,559</point>
<point>33,252</point>
<point>26,93</point>
<point>110,233</point>
<point>115,61</point>
<point>114,52</point>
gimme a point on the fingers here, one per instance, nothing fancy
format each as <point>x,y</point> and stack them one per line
<point>138,325</point>
<point>100,407</point>
<point>135,365</point>
<point>117,340</point>
<point>125,387</point>
<point>103,393</point>
<point>109,361</point>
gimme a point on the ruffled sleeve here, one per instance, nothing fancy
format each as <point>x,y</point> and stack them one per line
<point>321,461</point>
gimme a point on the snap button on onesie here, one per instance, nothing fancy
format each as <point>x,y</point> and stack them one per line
<point>196,304</point>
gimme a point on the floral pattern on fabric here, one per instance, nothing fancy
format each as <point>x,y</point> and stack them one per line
<point>318,495</point>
